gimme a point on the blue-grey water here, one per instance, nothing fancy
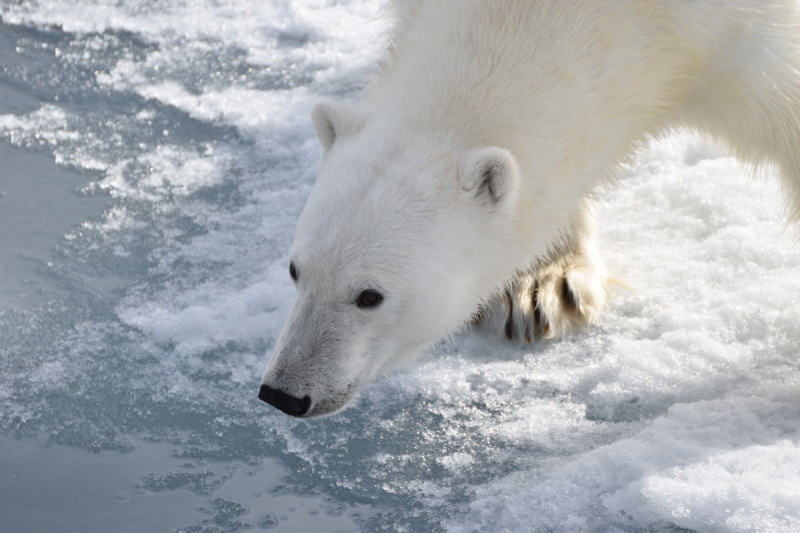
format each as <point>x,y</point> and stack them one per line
<point>97,432</point>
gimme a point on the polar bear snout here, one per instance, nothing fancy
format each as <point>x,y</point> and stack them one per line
<point>311,371</point>
<point>284,402</point>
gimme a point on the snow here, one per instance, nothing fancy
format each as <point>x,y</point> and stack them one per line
<point>142,325</point>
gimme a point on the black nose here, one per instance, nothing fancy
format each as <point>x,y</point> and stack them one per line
<point>280,400</point>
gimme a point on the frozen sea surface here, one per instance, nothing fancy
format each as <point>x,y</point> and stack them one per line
<point>155,157</point>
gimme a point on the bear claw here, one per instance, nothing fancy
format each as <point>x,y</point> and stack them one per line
<point>551,301</point>
<point>568,297</point>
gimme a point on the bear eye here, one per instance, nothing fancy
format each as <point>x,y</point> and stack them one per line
<point>293,271</point>
<point>369,298</point>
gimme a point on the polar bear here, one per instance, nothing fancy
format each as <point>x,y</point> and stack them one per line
<point>459,188</point>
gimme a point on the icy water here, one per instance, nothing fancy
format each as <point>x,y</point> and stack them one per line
<point>154,157</point>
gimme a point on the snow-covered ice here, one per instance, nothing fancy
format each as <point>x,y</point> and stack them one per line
<point>165,149</point>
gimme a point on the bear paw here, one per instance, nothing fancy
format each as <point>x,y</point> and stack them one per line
<point>553,300</point>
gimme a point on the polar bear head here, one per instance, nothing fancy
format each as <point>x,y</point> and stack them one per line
<point>402,236</point>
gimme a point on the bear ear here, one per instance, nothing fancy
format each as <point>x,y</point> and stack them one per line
<point>333,120</point>
<point>489,174</point>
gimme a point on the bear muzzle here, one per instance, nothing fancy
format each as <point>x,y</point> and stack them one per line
<point>284,402</point>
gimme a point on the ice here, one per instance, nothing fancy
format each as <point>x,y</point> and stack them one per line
<point>175,141</point>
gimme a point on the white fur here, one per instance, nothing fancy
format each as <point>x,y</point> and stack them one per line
<point>544,99</point>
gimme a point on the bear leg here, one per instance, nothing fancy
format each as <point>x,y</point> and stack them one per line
<point>558,296</point>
